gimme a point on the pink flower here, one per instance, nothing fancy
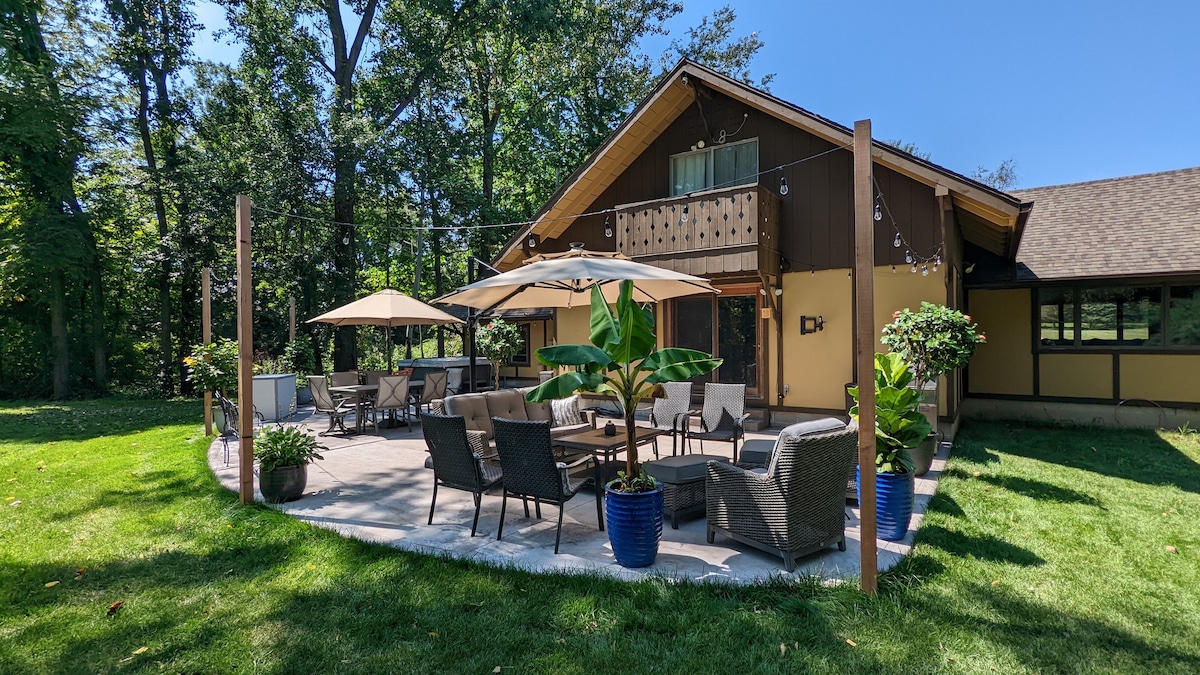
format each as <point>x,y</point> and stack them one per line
<point>967,317</point>
<point>896,314</point>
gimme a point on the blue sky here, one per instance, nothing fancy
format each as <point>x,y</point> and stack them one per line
<point>1070,90</point>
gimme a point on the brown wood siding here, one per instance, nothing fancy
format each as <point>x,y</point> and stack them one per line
<point>815,217</point>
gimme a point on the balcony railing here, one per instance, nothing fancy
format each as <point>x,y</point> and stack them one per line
<point>708,233</point>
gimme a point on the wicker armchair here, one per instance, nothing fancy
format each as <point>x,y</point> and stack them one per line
<point>325,402</point>
<point>456,463</point>
<point>723,415</point>
<point>531,471</point>
<point>671,413</point>
<point>797,507</point>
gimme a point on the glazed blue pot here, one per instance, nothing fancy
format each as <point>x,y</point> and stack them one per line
<point>893,503</point>
<point>635,521</point>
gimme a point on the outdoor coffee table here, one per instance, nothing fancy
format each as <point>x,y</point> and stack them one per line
<point>682,478</point>
<point>360,393</point>
<point>607,447</point>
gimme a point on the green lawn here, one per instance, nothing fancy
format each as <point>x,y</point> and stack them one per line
<point>1045,551</point>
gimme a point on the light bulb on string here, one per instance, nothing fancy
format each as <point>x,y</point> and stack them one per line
<point>878,213</point>
<point>607,228</point>
<point>914,268</point>
<point>345,241</point>
<point>896,242</point>
<point>684,215</point>
<point>783,186</point>
<point>908,256</point>
<point>924,270</point>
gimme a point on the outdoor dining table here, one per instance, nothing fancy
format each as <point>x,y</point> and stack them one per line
<point>607,448</point>
<point>361,393</point>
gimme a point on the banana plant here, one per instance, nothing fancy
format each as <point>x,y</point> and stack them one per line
<point>899,423</point>
<point>621,360</point>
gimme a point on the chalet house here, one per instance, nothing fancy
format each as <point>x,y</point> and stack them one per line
<point>712,177</point>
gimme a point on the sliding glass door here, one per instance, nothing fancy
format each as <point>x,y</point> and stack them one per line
<point>726,326</point>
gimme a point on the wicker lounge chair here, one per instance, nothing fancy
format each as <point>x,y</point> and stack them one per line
<point>797,506</point>
<point>531,471</point>
<point>456,463</point>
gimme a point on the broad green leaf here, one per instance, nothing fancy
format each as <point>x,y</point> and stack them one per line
<point>604,327</point>
<point>668,355</point>
<point>635,335</point>
<point>565,385</point>
<point>572,355</point>
<point>891,370</point>
<point>683,370</point>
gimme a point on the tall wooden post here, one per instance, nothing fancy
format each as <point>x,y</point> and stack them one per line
<point>245,319</point>
<point>864,340</point>
<point>292,318</point>
<point>206,335</point>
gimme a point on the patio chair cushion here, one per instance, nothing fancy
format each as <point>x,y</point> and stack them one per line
<point>757,453</point>
<point>682,468</point>
<point>566,411</point>
<point>820,425</point>
<point>506,403</point>
<point>536,412</point>
<point>474,409</point>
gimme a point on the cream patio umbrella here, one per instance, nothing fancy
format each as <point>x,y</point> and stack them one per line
<point>389,308</point>
<point>566,280</point>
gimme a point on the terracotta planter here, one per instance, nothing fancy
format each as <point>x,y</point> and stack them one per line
<point>283,483</point>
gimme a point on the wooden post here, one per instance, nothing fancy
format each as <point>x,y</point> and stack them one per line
<point>292,318</point>
<point>864,309</point>
<point>245,320</point>
<point>206,335</point>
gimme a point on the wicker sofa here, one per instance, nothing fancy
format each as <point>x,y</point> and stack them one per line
<point>797,506</point>
<point>479,408</point>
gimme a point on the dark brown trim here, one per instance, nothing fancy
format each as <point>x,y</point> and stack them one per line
<point>810,411</point>
<point>1035,335</point>
<point>1183,405</point>
<point>1116,367</point>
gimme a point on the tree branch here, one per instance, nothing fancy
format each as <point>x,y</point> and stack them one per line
<point>364,28</point>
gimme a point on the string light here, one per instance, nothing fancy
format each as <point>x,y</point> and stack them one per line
<point>783,186</point>
<point>345,241</point>
<point>897,241</point>
<point>908,258</point>
<point>924,270</point>
<point>911,257</point>
<point>683,216</point>
<point>878,213</point>
<point>608,232</point>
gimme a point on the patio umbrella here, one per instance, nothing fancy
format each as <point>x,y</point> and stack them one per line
<point>566,280</point>
<point>389,308</point>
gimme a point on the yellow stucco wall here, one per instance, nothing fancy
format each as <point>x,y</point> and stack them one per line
<point>574,325</point>
<point>1004,364</point>
<point>1161,377</point>
<point>1076,375</point>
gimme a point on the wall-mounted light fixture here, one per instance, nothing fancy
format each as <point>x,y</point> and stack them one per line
<point>811,324</point>
<point>774,289</point>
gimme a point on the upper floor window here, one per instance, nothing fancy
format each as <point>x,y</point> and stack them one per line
<point>1122,317</point>
<point>715,168</point>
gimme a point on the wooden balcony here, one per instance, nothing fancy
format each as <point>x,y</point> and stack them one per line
<point>728,231</point>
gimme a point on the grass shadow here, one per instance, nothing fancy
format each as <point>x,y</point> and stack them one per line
<point>980,547</point>
<point>1032,488</point>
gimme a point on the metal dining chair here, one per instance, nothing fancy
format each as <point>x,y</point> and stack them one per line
<point>435,388</point>
<point>671,413</point>
<point>336,407</point>
<point>392,396</point>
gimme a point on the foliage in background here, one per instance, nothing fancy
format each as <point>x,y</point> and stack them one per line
<point>214,367</point>
<point>621,360</point>
<point>498,341</point>
<point>936,340</point>
<point>285,445</point>
<point>899,423</point>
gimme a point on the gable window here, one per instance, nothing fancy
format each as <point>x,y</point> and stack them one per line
<point>715,168</point>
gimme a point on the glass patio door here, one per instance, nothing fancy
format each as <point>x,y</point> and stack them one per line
<point>725,326</point>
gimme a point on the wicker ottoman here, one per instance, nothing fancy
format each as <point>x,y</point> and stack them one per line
<point>682,478</point>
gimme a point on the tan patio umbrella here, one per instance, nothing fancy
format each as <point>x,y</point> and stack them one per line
<point>389,308</point>
<point>566,280</point>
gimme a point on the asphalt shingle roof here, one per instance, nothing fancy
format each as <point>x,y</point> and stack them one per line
<point>1136,225</point>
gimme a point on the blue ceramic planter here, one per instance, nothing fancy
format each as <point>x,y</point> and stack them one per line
<point>893,503</point>
<point>635,521</point>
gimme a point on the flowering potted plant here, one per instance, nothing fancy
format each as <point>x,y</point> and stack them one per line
<point>622,360</point>
<point>498,341</point>
<point>899,427</point>
<point>936,340</point>
<point>214,367</point>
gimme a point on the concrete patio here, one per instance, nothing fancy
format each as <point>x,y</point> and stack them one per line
<point>377,489</point>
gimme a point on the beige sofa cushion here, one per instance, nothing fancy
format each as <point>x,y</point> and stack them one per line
<point>506,404</point>
<point>474,409</point>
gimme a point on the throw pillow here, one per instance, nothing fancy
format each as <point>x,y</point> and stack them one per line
<point>566,411</point>
<point>726,423</point>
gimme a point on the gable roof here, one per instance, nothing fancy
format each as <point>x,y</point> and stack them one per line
<point>992,218</point>
<point>1146,225</point>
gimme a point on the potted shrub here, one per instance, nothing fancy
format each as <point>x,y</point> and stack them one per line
<point>284,454</point>
<point>899,427</point>
<point>498,341</point>
<point>622,360</point>
<point>936,340</point>
<point>214,367</point>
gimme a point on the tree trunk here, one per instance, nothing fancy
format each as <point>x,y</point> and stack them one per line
<point>163,277</point>
<point>58,335</point>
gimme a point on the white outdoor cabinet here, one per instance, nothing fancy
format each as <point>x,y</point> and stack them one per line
<point>274,395</point>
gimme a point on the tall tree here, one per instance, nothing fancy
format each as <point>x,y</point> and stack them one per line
<point>713,44</point>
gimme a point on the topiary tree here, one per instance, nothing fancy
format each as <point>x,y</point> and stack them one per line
<point>936,340</point>
<point>498,341</point>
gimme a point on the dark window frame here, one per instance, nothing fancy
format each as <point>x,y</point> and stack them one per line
<point>523,358</point>
<point>1077,345</point>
